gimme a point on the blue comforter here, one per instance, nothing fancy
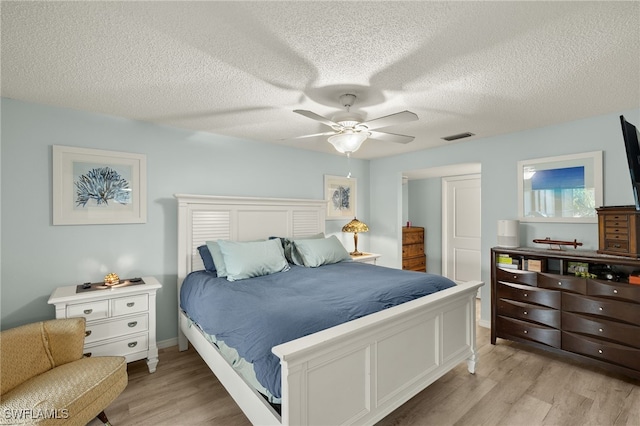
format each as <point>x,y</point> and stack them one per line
<point>256,314</point>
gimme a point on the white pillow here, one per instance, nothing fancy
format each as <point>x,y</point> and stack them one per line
<point>252,259</point>
<point>318,252</point>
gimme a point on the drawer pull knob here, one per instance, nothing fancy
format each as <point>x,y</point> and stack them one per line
<point>599,351</point>
<point>87,333</point>
<point>600,330</point>
<point>559,282</point>
<point>88,311</point>
<point>133,344</point>
<point>600,308</point>
<point>130,304</point>
<point>615,291</point>
<point>525,295</point>
<point>616,246</point>
<point>525,312</point>
<point>132,323</point>
<point>525,332</point>
<point>515,277</point>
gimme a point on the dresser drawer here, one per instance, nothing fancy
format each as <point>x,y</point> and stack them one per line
<point>527,312</point>
<point>414,263</point>
<point>129,305</point>
<point>114,328</point>
<point>612,309</point>
<point>616,221</point>
<point>616,246</point>
<point>412,250</point>
<point>528,294</point>
<point>517,276</point>
<point>606,351</point>
<point>529,331</point>
<point>90,310</point>
<point>413,237</point>
<point>123,347</point>
<point>602,329</point>
<point>617,232</point>
<point>563,282</point>
<point>611,290</point>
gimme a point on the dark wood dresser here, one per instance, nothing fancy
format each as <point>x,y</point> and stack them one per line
<point>413,257</point>
<point>580,316</point>
<point>619,231</point>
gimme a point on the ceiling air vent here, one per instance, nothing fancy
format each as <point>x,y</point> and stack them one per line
<point>458,136</point>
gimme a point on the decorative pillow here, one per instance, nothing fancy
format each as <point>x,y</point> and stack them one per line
<point>252,259</point>
<point>218,260</point>
<point>290,250</point>
<point>205,255</point>
<point>318,252</point>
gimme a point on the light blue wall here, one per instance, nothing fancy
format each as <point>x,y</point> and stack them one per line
<point>37,257</point>
<point>498,157</point>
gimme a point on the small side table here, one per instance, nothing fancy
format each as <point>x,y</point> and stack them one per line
<point>120,321</point>
<point>366,258</point>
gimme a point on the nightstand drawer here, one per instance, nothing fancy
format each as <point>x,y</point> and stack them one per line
<point>124,347</point>
<point>108,329</point>
<point>90,310</point>
<point>129,305</point>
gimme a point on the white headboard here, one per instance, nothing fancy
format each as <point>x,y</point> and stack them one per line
<point>205,217</point>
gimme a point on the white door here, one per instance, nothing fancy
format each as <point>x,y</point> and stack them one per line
<point>461,258</point>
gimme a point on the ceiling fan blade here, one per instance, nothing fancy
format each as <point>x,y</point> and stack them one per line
<point>390,120</point>
<point>314,116</point>
<point>314,135</point>
<point>390,137</point>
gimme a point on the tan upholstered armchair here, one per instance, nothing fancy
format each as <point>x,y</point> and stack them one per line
<point>45,379</point>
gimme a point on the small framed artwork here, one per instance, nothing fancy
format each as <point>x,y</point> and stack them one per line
<point>567,188</point>
<point>92,186</point>
<point>340,192</point>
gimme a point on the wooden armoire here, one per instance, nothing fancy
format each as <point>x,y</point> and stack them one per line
<point>413,256</point>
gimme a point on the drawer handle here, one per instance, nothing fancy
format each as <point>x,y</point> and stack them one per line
<point>515,277</point>
<point>132,344</point>
<point>130,304</point>
<point>599,351</point>
<point>132,323</point>
<point>616,246</point>
<point>87,333</point>
<point>88,311</point>
<point>559,282</point>
<point>600,330</point>
<point>600,308</point>
<point>525,312</point>
<point>525,295</point>
<point>615,291</point>
<point>525,332</point>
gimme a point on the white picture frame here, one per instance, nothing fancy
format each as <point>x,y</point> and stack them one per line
<point>341,194</point>
<point>565,188</point>
<point>92,186</point>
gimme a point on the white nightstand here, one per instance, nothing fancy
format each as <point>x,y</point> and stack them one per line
<point>120,321</point>
<point>366,258</point>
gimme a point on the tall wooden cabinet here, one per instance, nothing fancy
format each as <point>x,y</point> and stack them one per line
<point>584,316</point>
<point>413,257</point>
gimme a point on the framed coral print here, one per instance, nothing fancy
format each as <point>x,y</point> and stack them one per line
<point>92,186</point>
<point>340,192</point>
<point>567,188</point>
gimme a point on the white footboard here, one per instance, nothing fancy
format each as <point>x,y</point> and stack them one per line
<point>360,371</point>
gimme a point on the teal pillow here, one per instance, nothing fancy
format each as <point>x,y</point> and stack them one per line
<point>292,253</point>
<point>252,259</point>
<point>318,252</point>
<point>218,260</point>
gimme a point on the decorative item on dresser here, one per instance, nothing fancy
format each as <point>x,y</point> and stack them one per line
<point>120,321</point>
<point>413,257</point>
<point>583,315</point>
<point>619,231</point>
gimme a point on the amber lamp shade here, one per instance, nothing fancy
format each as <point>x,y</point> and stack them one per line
<point>355,226</point>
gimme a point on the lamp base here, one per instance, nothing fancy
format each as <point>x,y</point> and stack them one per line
<point>356,253</point>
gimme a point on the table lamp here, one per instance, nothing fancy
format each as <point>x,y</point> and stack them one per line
<point>355,226</point>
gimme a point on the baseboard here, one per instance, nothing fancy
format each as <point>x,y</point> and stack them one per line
<point>167,343</point>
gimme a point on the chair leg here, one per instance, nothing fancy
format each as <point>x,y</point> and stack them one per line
<point>103,418</point>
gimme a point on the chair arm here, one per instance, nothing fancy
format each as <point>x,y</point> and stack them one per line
<point>65,338</point>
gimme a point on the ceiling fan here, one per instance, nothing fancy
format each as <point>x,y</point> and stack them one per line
<point>350,130</point>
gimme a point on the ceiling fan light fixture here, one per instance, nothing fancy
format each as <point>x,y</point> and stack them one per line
<point>348,141</point>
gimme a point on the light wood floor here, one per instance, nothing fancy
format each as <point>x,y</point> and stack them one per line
<point>513,385</point>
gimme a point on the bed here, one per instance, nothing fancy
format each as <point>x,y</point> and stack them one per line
<point>345,374</point>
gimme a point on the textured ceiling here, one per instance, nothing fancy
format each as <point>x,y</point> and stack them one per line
<point>241,68</point>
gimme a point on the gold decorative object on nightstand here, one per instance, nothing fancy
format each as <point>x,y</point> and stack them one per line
<point>111,279</point>
<point>355,226</point>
